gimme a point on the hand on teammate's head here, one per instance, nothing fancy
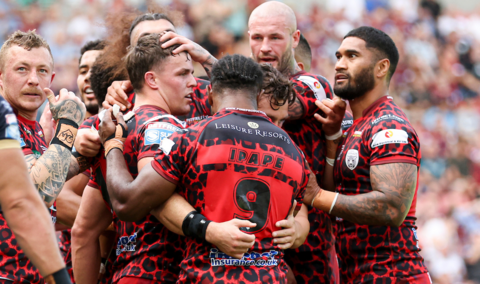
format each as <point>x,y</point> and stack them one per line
<point>197,52</point>
<point>117,94</point>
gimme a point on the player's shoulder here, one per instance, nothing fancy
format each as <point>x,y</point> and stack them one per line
<point>308,82</point>
<point>8,121</point>
<point>201,83</point>
<point>386,112</point>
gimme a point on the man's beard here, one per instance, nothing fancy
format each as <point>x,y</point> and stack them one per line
<point>92,107</point>
<point>357,86</point>
<point>285,65</point>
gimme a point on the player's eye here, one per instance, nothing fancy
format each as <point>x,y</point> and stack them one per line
<point>21,69</point>
<point>353,55</point>
<point>43,71</point>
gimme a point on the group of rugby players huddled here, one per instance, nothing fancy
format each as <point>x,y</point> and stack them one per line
<point>258,174</point>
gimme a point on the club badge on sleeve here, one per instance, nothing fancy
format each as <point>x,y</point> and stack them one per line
<point>158,131</point>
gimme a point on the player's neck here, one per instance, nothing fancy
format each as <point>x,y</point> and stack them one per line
<point>233,101</point>
<point>143,97</point>
<point>360,104</point>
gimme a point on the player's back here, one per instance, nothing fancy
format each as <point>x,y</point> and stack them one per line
<point>236,164</point>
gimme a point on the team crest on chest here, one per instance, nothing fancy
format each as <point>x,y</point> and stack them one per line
<point>351,159</point>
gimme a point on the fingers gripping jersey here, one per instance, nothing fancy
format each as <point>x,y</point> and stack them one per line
<point>14,264</point>
<point>311,262</point>
<point>145,249</point>
<point>382,136</point>
<point>236,164</point>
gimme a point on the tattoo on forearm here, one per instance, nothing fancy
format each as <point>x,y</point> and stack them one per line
<point>67,109</point>
<point>30,160</point>
<point>393,190</point>
<point>50,171</point>
<point>295,110</point>
<point>73,169</point>
<point>207,64</point>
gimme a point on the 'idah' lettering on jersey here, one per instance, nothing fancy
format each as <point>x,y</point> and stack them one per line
<point>255,158</point>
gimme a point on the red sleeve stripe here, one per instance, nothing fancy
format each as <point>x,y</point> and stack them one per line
<point>391,160</point>
<point>156,166</point>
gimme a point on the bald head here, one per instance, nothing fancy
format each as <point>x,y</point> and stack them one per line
<point>274,9</point>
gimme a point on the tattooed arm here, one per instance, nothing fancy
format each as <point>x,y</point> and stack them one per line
<point>295,110</point>
<point>198,53</point>
<point>50,171</point>
<point>388,204</point>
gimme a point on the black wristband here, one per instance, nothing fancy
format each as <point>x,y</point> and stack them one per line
<point>62,277</point>
<point>65,133</point>
<point>195,225</point>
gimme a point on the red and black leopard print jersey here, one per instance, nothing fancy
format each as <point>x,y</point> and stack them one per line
<point>145,249</point>
<point>382,135</point>
<point>266,172</point>
<point>14,264</point>
<point>312,262</point>
<point>199,108</point>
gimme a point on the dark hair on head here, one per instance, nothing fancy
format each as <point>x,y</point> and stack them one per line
<point>381,42</point>
<point>91,45</point>
<point>277,86</point>
<point>145,56</point>
<point>303,51</point>
<point>237,72</point>
<point>102,75</point>
<point>118,35</point>
<point>148,17</point>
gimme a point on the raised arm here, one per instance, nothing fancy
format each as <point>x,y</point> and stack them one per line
<point>50,171</point>
<point>131,198</point>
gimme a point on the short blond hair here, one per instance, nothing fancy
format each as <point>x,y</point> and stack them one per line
<point>27,40</point>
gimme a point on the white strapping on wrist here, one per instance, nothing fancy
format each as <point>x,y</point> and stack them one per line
<point>333,203</point>
<point>335,136</point>
<point>331,162</point>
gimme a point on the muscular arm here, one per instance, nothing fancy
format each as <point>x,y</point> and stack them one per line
<point>26,214</point>
<point>132,199</point>
<point>68,201</point>
<point>208,64</point>
<point>388,204</point>
<point>49,172</point>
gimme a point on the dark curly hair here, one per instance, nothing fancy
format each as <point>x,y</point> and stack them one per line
<point>237,72</point>
<point>277,86</point>
<point>91,45</point>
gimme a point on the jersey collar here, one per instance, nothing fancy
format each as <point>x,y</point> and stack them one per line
<point>244,111</point>
<point>369,109</point>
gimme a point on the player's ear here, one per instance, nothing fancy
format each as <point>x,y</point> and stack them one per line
<point>300,64</point>
<point>296,38</point>
<point>53,76</point>
<point>210,98</point>
<point>381,68</point>
<point>151,80</point>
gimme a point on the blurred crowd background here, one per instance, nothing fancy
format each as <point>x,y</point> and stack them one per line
<point>437,83</point>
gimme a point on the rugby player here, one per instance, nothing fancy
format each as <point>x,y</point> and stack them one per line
<point>303,54</point>
<point>375,170</point>
<point>68,200</point>
<point>236,84</point>
<point>26,73</point>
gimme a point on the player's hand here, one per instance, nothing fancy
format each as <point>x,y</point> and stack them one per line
<point>198,53</point>
<point>67,105</point>
<point>312,188</point>
<point>108,129</point>
<point>228,237</point>
<point>117,94</point>
<point>48,123</point>
<point>286,237</point>
<point>334,111</point>
<point>87,143</point>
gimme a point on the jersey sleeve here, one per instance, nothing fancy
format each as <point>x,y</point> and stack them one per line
<point>174,153</point>
<point>89,122</point>
<point>201,96</point>
<point>309,89</point>
<point>9,132</point>
<point>393,140</point>
<point>152,134</point>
